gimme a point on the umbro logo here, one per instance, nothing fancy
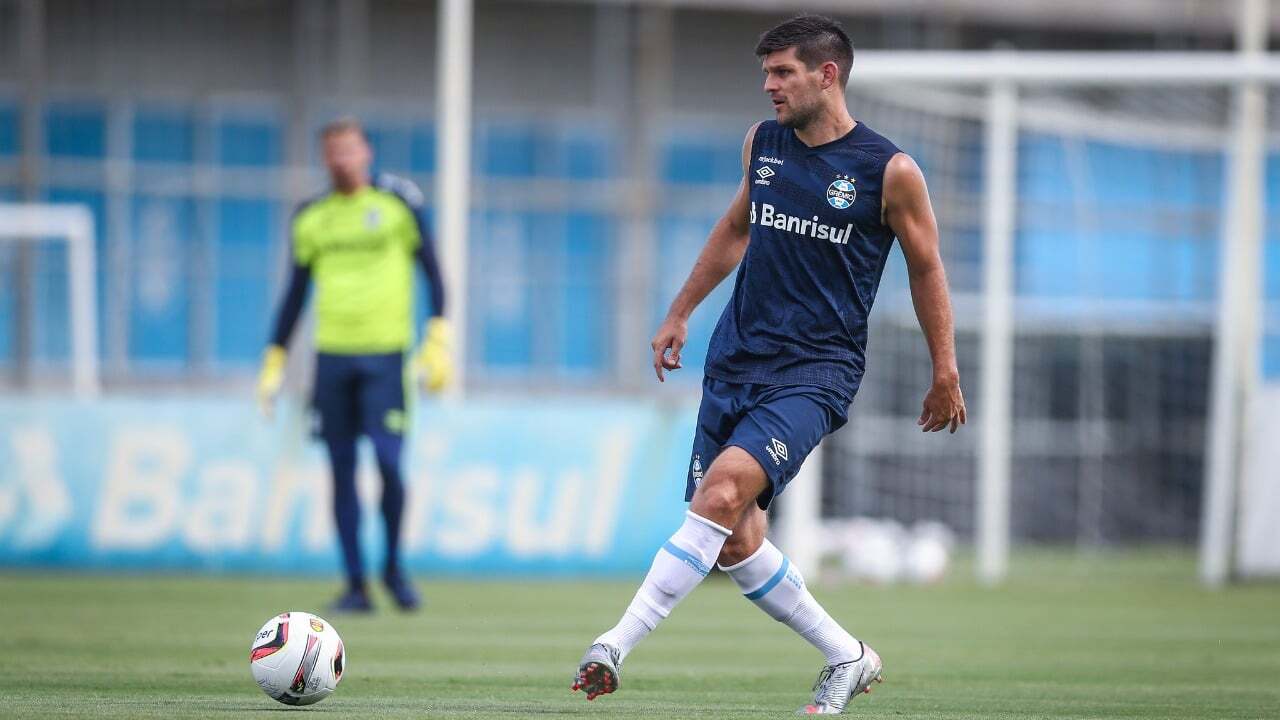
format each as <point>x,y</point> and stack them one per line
<point>765,172</point>
<point>777,451</point>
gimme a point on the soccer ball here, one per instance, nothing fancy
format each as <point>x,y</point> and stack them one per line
<point>297,658</point>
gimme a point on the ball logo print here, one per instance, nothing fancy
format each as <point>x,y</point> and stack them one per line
<point>275,635</point>
<point>841,193</point>
<point>303,681</point>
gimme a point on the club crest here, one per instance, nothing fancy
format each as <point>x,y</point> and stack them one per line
<point>841,193</point>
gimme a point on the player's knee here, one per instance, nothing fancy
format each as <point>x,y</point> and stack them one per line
<point>386,449</point>
<point>722,499</point>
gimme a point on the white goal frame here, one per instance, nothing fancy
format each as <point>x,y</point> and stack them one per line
<point>72,224</point>
<point>1236,370</point>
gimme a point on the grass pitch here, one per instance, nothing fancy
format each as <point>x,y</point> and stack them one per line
<point>1067,638</point>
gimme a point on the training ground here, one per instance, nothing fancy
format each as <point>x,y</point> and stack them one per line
<point>1070,636</point>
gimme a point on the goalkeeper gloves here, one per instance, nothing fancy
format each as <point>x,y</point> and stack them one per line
<point>270,378</point>
<point>434,360</point>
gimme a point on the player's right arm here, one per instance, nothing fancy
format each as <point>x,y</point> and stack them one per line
<point>271,376</point>
<point>720,255</point>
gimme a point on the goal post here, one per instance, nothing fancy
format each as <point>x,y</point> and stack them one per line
<point>453,182</point>
<point>74,225</point>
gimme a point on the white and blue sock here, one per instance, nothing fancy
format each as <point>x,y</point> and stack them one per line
<point>677,569</point>
<point>769,580</point>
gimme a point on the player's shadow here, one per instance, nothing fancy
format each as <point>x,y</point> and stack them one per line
<point>484,709</point>
<point>268,708</point>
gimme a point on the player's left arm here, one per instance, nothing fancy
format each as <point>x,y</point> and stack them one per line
<point>427,260</point>
<point>434,358</point>
<point>907,210</point>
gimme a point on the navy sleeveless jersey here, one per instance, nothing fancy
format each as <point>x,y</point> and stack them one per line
<point>798,315</point>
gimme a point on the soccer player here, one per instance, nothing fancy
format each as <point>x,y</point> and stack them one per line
<point>359,243</point>
<point>821,200</point>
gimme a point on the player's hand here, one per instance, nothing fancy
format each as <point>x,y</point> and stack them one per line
<point>943,405</point>
<point>435,359</point>
<point>667,344</point>
<point>270,378</point>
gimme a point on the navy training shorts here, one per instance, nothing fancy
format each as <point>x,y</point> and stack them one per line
<point>778,425</point>
<point>359,395</point>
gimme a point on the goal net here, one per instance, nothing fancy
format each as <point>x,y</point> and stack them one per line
<point>1118,197</point>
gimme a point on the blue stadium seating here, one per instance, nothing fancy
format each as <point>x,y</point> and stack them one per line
<point>250,142</point>
<point>250,238</point>
<point>76,130</point>
<point>1122,256</point>
<point>164,255</point>
<point>164,135</point>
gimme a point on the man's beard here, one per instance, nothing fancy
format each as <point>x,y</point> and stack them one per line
<point>801,117</point>
<point>345,181</point>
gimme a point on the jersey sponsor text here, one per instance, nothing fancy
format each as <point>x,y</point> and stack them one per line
<point>770,217</point>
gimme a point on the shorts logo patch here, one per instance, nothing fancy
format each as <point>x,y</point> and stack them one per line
<point>395,422</point>
<point>697,469</point>
<point>777,451</point>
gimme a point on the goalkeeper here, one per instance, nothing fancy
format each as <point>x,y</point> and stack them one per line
<point>359,243</point>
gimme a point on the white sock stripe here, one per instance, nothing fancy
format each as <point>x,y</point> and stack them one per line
<point>714,526</point>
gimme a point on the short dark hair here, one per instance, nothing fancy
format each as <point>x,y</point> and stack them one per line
<point>816,38</point>
<point>342,125</point>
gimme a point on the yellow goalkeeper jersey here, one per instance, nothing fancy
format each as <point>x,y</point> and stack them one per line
<point>360,251</point>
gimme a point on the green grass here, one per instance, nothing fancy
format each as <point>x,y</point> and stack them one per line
<point>1068,638</point>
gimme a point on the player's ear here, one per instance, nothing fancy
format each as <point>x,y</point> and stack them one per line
<point>830,74</point>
